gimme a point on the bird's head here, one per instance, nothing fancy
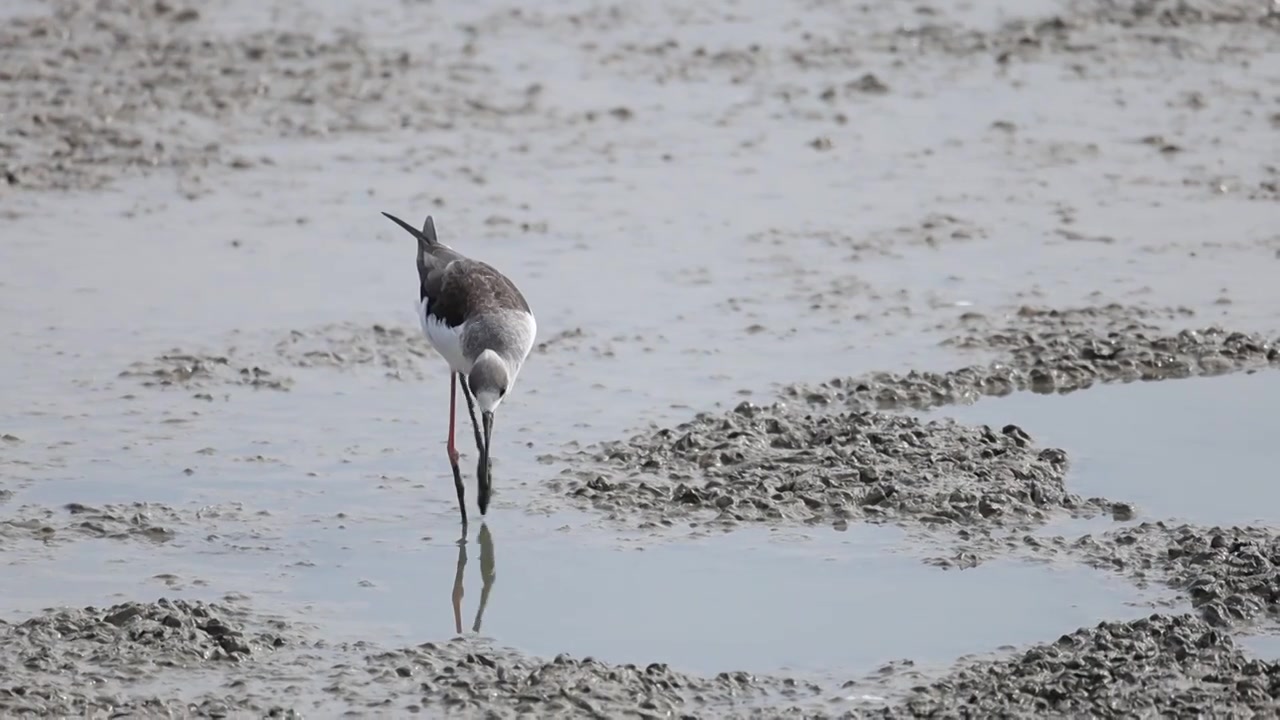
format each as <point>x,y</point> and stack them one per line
<point>489,380</point>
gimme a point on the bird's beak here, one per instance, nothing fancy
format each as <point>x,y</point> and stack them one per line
<point>482,470</point>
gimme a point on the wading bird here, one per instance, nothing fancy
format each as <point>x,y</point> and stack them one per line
<point>481,325</point>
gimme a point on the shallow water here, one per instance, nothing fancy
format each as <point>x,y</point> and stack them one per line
<point>1198,450</point>
<point>708,250</point>
<point>1265,645</point>
<point>830,603</point>
<point>359,537</point>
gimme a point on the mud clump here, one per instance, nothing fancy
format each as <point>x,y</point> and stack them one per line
<point>77,662</point>
<point>192,370</point>
<point>1090,28</point>
<point>463,678</point>
<point>143,521</point>
<point>68,661</point>
<point>1049,351</point>
<point>1176,666</point>
<point>1231,576</point>
<point>774,463</point>
<point>399,352</point>
<point>93,88</point>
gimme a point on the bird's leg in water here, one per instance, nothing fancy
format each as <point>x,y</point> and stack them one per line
<point>453,450</point>
<point>484,465</point>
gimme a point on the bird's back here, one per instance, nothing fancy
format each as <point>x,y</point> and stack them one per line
<point>460,288</point>
<point>467,306</point>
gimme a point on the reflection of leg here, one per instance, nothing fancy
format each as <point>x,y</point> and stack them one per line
<point>457,582</point>
<point>487,573</point>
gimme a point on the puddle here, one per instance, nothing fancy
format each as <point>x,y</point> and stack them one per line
<point>833,602</point>
<point>1198,450</point>
<point>358,537</point>
<point>1265,646</point>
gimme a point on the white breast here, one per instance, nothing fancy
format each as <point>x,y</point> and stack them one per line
<point>446,340</point>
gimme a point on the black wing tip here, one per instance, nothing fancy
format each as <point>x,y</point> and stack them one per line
<point>429,230</point>
<point>426,235</point>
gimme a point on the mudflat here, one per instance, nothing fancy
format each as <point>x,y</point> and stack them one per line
<point>894,360</point>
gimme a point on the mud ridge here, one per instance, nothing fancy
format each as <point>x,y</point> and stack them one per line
<point>1052,352</point>
<point>1230,576</point>
<point>769,464</point>
<point>1176,666</point>
<point>100,88</point>
<point>91,660</point>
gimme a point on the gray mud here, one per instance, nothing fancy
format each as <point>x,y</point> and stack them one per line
<point>218,660</point>
<point>768,464</point>
<point>145,521</point>
<point>100,89</point>
<point>1167,665</point>
<point>1051,351</point>
<point>805,460</point>
<point>1231,576</point>
<point>268,363</point>
<point>929,203</point>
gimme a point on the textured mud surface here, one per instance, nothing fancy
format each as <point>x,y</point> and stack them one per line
<point>891,208</point>
<point>100,88</point>
<point>1174,665</point>
<point>215,660</point>
<point>808,460</point>
<point>1050,351</point>
<point>1231,576</point>
<point>773,464</point>
<point>140,520</point>
<point>267,362</point>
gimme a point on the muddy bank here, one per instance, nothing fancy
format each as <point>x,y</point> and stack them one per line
<point>219,660</point>
<point>806,461</point>
<point>1162,665</point>
<point>153,522</point>
<point>1055,351</point>
<point>99,89</point>
<point>768,464</point>
<point>1230,576</point>
<point>270,362</point>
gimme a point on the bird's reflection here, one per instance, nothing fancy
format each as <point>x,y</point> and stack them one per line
<point>487,574</point>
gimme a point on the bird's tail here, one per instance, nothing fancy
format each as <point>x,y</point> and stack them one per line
<point>426,236</point>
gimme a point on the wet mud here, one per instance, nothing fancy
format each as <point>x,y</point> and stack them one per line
<point>1050,351</point>
<point>769,464</point>
<point>830,452</point>
<point>173,657</point>
<point>807,234</point>
<point>1175,665</point>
